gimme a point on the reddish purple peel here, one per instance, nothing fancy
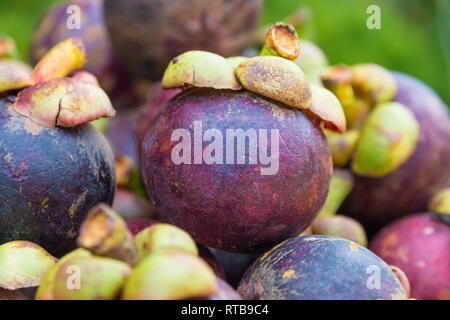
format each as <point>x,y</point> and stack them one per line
<point>65,102</point>
<point>235,207</point>
<point>419,245</point>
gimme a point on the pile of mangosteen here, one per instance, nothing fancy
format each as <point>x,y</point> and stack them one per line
<point>223,174</point>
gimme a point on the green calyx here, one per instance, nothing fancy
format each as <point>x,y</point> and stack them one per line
<point>23,264</point>
<point>340,226</point>
<point>79,275</point>
<point>440,203</point>
<point>164,237</point>
<point>342,145</point>
<point>105,233</point>
<point>276,78</point>
<point>170,275</point>
<point>341,184</point>
<point>45,290</point>
<point>373,83</point>
<point>326,107</point>
<point>387,139</point>
<point>90,278</point>
<point>200,69</point>
<point>312,60</point>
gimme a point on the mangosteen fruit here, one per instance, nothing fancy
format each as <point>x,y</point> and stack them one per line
<point>84,19</point>
<point>234,264</point>
<point>54,165</point>
<point>315,267</point>
<point>419,245</point>
<point>146,34</point>
<point>377,199</point>
<point>340,226</point>
<point>241,169</point>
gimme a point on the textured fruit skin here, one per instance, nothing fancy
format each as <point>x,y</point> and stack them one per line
<point>49,179</point>
<point>101,60</point>
<point>376,201</point>
<point>419,245</point>
<point>316,267</point>
<point>223,27</point>
<point>234,207</point>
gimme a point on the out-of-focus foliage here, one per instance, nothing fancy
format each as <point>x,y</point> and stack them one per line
<point>415,34</point>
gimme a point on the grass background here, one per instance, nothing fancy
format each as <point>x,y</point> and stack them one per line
<point>414,38</point>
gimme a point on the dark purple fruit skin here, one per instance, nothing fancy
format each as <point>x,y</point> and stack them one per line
<point>225,292</point>
<point>314,267</point>
<point>147,34</point>
<point>206,254</point>
<point>234,207</point>
<point>376,201</point>
<point>101,60</point>
<point>234,264</point>
<point>50,179</point>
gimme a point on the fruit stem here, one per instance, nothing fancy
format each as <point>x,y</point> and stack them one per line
<point>282,41</point>
<point>105,233</point>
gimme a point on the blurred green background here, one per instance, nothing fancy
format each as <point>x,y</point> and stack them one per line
<point>414,35</point>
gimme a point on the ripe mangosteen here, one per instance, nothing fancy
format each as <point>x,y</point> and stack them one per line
<point>84,19</point>
<point>54,166</point>
<point>146,34</point>
<point>374,201</point>
<point>241,169</point>
<point>316,267</point>
<point>419,245</point>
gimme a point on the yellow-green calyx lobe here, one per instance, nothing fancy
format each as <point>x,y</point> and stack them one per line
<point>440,203</point>
<point>90,278</point>
<point>373,83</point>
<point>340,226</point>
<point>45,290</point>
<point>64,102</point>
<point>342,145</point>
<point>282,41</point>
<point>23,264</point>
<point>170,275</point>
<point>276,78</point>
<point>387,139</point>
<point>65,57</point>
<point>200,69</point>
<point>164,237</point>
<point>338,79</point>
<point>312,60</point>
<point>341,184</point>
<point>8,48</point>
<point>105,233</point>
<point>14,75</point>
<point>325,106</point>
